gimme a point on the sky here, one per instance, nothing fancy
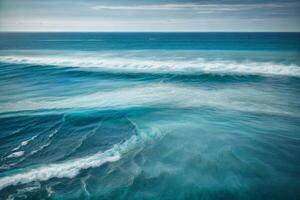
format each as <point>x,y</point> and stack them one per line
<point>150,15</point>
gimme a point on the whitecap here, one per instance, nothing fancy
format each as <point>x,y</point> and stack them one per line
<point>147,65</point>
<point>24,143</point>
<point>16,154</point>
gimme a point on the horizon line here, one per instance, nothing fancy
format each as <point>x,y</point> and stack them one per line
<point>149,31</point>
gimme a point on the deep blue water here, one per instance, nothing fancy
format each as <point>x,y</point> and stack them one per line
<point>150,116</point>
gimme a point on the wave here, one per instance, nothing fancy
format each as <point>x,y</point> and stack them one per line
<point>136,65</point>
<point>160,95</point>
<point>72,168</point>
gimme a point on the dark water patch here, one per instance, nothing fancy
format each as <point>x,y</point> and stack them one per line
<point>137,41</point>
<point>75,134</point>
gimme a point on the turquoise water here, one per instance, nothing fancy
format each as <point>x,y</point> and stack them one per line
<point>150,116</point>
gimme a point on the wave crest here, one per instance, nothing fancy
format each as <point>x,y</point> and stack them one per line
<point>162,66</point>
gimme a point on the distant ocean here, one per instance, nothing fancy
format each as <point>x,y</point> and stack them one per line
<point>150,116</point>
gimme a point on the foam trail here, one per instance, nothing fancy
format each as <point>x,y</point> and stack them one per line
<point>84,185</point>
<point>49,140</point>
<point>71,168</point>
<point>53,133</point>
<point>40,148</point>
<point>166,66</point>
<point>24,143</point>
<point>16,154</point>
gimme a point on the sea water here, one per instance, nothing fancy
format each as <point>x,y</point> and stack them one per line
<point>150,116</point>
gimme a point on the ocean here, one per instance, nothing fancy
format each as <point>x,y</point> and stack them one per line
<point>150,116</point>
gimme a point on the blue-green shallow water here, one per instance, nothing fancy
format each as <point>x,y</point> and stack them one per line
<point>150,116</point>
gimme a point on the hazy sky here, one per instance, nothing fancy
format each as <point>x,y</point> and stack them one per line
<point>149,15</point>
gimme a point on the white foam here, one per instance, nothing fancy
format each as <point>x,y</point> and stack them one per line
<point>16,154</point>
<point>71,168</point>
<point>147,65</point>
<point>24,143</point>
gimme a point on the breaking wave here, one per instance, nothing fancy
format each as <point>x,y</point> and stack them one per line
<point>161,66</point>
<point>71,168</point>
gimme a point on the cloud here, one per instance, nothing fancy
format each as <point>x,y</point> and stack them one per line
<point>194,6</point>
<point>154,15</point>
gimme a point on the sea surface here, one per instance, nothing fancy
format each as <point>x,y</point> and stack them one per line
<point>150,116</point>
